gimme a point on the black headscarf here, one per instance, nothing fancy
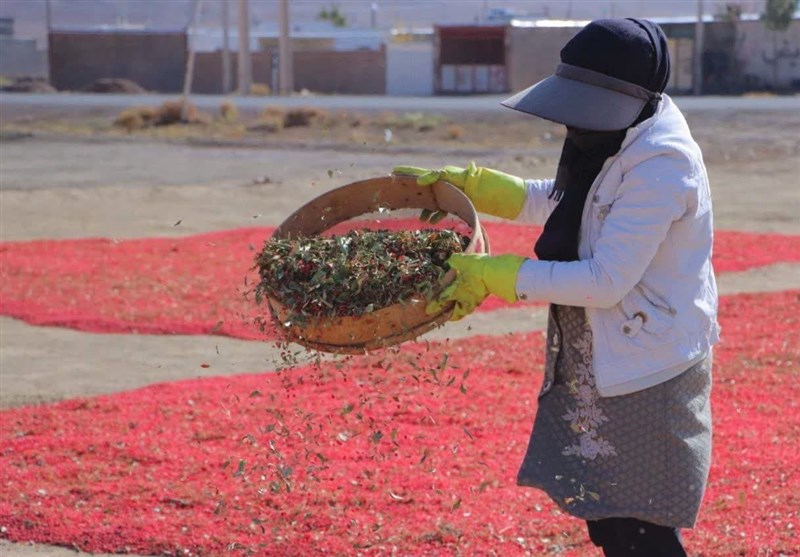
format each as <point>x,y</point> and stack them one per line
<point>633,50</point>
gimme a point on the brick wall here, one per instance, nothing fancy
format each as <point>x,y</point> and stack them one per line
<point>319,71</point>
<point>156,61</point>
<point>208,71</point>
<point>345,72</point>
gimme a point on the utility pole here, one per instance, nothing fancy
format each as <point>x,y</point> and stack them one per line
<point>245,61</point>
<point>189,75</point>
<point>226,48</point>
<point>48,15</point>
<point>286,73</point>
<point>697,66</point>
<point>48,21</point>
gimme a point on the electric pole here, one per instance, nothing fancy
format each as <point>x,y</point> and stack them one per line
<point>285,70</point>
<point>188,77</point>
<point>697,67</point>
<point>226,48</point>
<point>245,61</point>
<point>48,15</point>
<point>48,20</point>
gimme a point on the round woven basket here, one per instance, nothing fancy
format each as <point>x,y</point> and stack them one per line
<point>393,324</point>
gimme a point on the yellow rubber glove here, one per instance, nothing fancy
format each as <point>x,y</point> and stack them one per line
<point>491,191</point>
<point>478,276</point>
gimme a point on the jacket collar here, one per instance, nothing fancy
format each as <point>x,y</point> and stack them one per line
<point>664,106</point>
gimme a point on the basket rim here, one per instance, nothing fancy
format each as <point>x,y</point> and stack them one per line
<point>442,193</point>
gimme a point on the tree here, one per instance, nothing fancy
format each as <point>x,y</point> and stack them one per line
<point>778,14</point>
<point>333,15</point>
<point>729,39</point>
<point>731,12</point>
<point>777,17</point>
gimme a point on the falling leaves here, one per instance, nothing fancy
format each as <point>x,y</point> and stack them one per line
<point>396,497</point>
<point>376,436</point>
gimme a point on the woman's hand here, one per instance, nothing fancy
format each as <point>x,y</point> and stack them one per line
<point>478,276</point>
<point>427,176</point>
<point>491,191</point>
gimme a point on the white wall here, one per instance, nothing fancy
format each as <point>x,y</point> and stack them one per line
<point>757,43</point>
<point>409,69</point>
<point>19,58</point>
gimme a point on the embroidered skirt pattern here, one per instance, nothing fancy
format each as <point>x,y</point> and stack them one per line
<point>643,455</point>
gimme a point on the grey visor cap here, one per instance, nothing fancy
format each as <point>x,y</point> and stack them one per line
<point>583,105</point>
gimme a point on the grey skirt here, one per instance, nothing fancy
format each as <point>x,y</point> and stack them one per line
<point>644,455</point>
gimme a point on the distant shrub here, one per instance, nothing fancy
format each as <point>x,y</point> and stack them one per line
<point>228,111</point>
<point>302,117</point>
<point>115,85</point>
<point>130,120</point>
<point>275,118</point>
<point>259,89</point>
<point>269,120</point>
<point>267,123</point>
<point>273,112</point>
<point>29,85</point>
<point>454,132</point>
<point>418,121</point>
<point>169,113</point>
<point>136,118</point>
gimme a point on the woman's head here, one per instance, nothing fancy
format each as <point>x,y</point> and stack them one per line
<point>633,50</point>
<point>611,71</point>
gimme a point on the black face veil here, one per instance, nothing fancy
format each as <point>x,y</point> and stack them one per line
<point>633,51</point>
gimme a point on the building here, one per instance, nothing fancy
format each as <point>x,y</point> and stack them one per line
<point>19,57</point>
<point>326,59</point>
<point>472,59</point>
<point>410,62</point>
<point>739,54</point>
<point>156,60</point>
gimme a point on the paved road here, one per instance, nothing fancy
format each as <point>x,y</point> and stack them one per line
<point>367,102</point>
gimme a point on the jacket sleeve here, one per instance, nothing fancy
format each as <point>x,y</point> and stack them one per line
<point>653,195</point>
<point>538,205</point>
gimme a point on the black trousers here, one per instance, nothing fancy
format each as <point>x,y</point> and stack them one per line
<point>629,537</point>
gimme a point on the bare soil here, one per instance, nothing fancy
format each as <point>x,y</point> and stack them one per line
<point>75,175</point>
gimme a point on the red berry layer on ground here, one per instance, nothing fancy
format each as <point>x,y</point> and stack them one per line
<point>412,452</point>
<point>197,284</point>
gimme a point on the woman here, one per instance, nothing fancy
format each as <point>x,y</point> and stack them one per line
<point>622,435</point>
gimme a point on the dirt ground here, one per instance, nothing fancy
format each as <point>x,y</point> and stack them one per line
<point>58,184</point>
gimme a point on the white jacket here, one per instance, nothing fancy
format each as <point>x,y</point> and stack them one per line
<point>644,274</point>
